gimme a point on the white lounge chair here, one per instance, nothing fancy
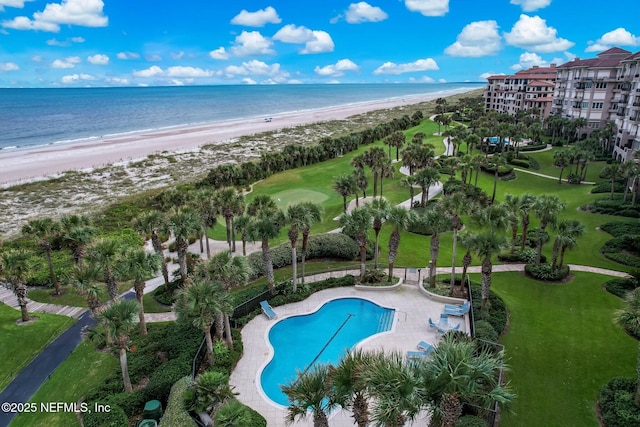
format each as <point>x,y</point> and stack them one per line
<point>267,310</point>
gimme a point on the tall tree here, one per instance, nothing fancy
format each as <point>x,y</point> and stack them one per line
<point>425,178</point>
<point>454,205</point>
<point>314,214</point>
<point>150,224</point>
<point>348,387</point>
<point>15,266</point>
<point>379,209</point>
<point>266,225</point>
<point>205,205</point>
<point>84,280</point>
<point>119,320</point>
<point>561,160</point>
<point>139,265</point>
<point>103,255</point>
<point>241,225</point>
<point>399,219</point>
<point>375,158</point>
<point>43,231</point>
<point>184,223</point>
<point>527,202</point>
<point>487,244</point>
<point>344,185</point>
<point>308,392</point>
<point>356,224</point>
<point>436,222</point>
<point>568,233</point>
<point>513,203</point>
<point>229,203</point>
<point>546,208</point>
<point>77,234</point>
<point>199,304</point>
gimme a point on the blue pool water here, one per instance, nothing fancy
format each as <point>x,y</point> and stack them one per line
<point>320,337</point>
<point>496,140</point>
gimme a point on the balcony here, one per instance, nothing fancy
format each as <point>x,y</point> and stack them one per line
<point>636,103</point>
<point>620,112</point>
<point>625,86</point>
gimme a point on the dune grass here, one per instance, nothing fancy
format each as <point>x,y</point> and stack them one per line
<point>84,369</point>
<point>27,340</point>
<point>562,346</point>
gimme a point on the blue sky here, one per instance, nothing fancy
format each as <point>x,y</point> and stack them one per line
<point>77,43</point>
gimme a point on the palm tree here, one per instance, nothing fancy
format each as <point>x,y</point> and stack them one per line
<point>241,225</point>
<point>314,214</point>
<point>150,225</point>
<point>205,204</point>
<point>355,224</point>
<point>561,160</point>
<point>466,240</point>
<point>299,216</point>
<point>399,218</point>
<point>513,203</point>
<point>379,209</point>
<point>569,231</point>
<point>409,181</point>
<point>425,178</point>
<point>183,223</point>
<point>15,266</point>
<point>103,255</point>
<point>386,171</point>
<point>485,245</point>
<point>199,304</point>
<point>231,271</point>
<point>495,162</point>
<point>43,231</point>
<point>308,392</point>
<point>77,234</point>
<point>139,265</point>
<point>84,280</point>
<point>347,386</point>
<point>436,222</point>
<point>119,320</point>
<point>229,203</point>
<point>458,372</point>
<point>629,319</point>
<point>454,205</point>
<point>266,225</point>
<point>375,158</point>
<point>395,388</point>
<point>612,171</point>
<point>546,208</point>
<point>344,185</point>
<point>527,202</point>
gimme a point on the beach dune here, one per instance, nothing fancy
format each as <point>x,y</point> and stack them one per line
<point>19,166</point>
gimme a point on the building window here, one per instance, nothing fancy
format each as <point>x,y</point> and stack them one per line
<point>601,85</point>
<point>594,125</point>
<point>588,85</point>
<point>597,105</point>
<point>585,105</point>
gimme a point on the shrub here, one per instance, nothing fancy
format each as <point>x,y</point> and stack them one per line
<point>526,255</point>
<point>619,287</point>
<point>496,314</point>
<point>617,406</point>
<point>235,414</point>
<point>546,273</point>
<point>114,418</point>
<point>613,207</point>
<point>574,178</point>
<point>175,414</point>
<point>471,421</point>
<point>160,383</point>
<point>485,331</point>
<point>605,187</point>
<point>520,163</point>
<point>619,228</point>
<point>131,403</point>
<point>624,249</point>
<point>535,147</point>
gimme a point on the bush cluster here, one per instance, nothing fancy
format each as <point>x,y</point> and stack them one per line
<point>619,286</point>
<point>531,147</point>
<point>496,315</point>
<point>477,195</point>
<point>619,228</point>
<point>526,255</point>
<point>520,163</point>
<point>485,331</point>
<point>605,187</point>
<point>114,418</point>
<point>234,413</point>
<point>617,406</point>
<point>330,245</point>
<point>613,207</point>
<point>175,414</point>
<point>624,249</point>
<point>546,272</point>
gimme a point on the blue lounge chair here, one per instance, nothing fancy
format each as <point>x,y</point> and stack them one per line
<point>436,327</point>
<point>457,310</point>
<point>425,347</point>
<point>417,354</point>
<point>267,310</point>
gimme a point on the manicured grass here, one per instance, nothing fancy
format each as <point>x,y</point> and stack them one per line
<point>84,369</point>
<point>562,346</point>
<point>26,340</point>
<point>70,296</point>
<point>545,159</point>
<point>153,306</point>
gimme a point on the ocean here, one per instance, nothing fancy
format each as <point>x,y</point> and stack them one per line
<point>37,117</point>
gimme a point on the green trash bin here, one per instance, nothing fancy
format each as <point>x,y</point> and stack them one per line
<point>148,423</point>
<point>152,410</point>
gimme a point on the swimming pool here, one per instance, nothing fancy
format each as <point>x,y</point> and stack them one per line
<point>319,337</point>
<point>496,140</point>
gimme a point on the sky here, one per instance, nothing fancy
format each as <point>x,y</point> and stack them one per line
<point>96,43</point>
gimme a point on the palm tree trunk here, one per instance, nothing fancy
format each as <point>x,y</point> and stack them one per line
<point>110,281</point>
<point>219,324</point>
<point>157,247</point>
<point>201,239</point>
<point>209,340</point>
<point>320,419</point>
<point>139,294</point>
<point>435,248</point>
<point>268,263</point>
<point>495,184</point>
<point>394,243</point>
<point>363,260</point>
<point>227,332</point>
<point>375,185</point>
<point>560,177</point>
<point>376,249</point>
<point>525,229</point>
<point>562,251</point>
<point>423,198</point>
<point>486,281</point>
<point>344,204</point>
<point>305,240</point>
<point>52,274</point>
<point>294,266</point>
<point>125,370</point>
<point>21,294</point>
<point>466,262</point>
<point>227,220</point>
<point>181,248</point>
<point>453,258</point>
<point>206,236</point>
<point>554,254</point>
<point>233,236</point>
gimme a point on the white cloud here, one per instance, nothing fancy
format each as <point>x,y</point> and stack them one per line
<point>617,37</point>
<point>177,55</point>
<point>248,81</point>
<point>364,12</point>
<point>118,81</point>
<point>315,41</point>
<point>153,71</point>
<point>75,78</point>
<point>36,58</point>
<point>9,66</point>
<point>252,43</point>
<point>337,69</point>
<point>476,39</point>
<point>54,42</point>
<point>153,57</point>
<point>528,60</point>
<point>255,68</point>
<point>188,72</point>
<point>531,5</point>
<point>423,79</point>
<point>128,55</point>
<point>68,62</point>
<point>12,3</point>
<point>78,39</point>
<point>220,54</point>
<point>258,18</point>
<point>411,67</point>
<point>532,33</point>
<point>84,13</point>
<point>488,74</point>
<point>428,7</point>
<point>98,59</point>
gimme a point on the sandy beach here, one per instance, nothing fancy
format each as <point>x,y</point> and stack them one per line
<point>32,164</point>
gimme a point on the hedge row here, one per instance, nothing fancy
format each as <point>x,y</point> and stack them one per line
<point>546,272</point>
<point>605,187</point>
<point>175,415</point>
<point>496,315</point>
<point>619,286</point>
<point>624,249</point>
<point>330,245</point>
<point>613,207</point>
<point>619,228</point>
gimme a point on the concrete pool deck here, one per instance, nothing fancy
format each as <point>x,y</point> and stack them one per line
<point>410,326</point>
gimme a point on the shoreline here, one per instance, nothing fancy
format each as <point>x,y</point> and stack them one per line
<point>39,163</point>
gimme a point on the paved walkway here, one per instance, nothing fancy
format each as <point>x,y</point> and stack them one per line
<point>8,297</point>
<point>549,176</point>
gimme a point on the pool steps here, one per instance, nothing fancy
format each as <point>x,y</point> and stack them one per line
<point>385,322</point>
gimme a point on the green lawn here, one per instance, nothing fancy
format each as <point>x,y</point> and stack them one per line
<point>27,340</point>
<point>84,369</point>
<point>562,346</point>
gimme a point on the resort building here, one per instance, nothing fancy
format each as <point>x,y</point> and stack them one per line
<point>600,90</point>
<point>526,89</point>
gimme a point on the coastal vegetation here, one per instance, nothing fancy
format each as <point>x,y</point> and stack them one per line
<point>527,218</point>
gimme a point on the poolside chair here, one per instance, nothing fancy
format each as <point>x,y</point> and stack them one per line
<point>425,347</point>
<point>267,310</point>
<point>417,354</point>
<point>457,310</point>
<point>436,327</point>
